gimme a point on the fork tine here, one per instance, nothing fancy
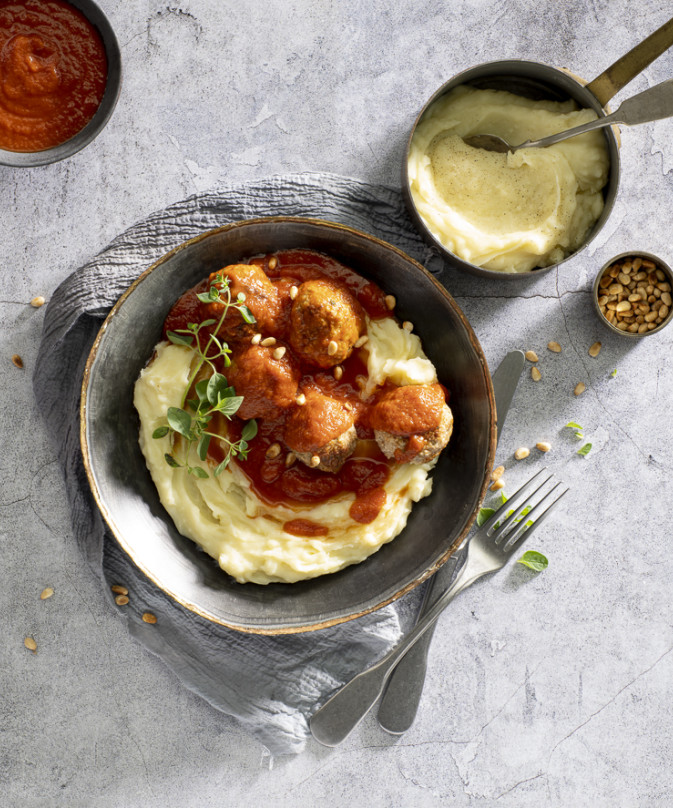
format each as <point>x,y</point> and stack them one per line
<point>519,536</point>
<point>514,516</point>
<point>502,510</point>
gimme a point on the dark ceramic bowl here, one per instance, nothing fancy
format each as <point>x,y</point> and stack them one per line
<point>532,80</point>
<point>660,266</point>
<point>112,89</point>
<point>126,495</point>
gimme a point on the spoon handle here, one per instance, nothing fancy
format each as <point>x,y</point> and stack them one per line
<point>650,105</point>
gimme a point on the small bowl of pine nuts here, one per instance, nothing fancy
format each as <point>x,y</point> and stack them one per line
<point>632,294</point>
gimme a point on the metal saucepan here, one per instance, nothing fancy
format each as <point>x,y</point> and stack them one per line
<point>540,81</point>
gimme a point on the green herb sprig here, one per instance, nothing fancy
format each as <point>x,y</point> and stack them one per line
<point>213,393</point>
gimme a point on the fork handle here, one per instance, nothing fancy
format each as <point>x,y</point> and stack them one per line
<point>340,714</point>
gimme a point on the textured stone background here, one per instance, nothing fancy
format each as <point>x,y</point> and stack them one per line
<point>549,690</point>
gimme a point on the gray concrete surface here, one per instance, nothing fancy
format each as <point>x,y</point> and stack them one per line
<point>548,690</point>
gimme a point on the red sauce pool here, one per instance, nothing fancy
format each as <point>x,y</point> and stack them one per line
<point>53,72</point>
<point>367,470</point>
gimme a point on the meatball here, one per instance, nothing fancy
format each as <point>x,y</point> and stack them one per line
<point>325,323</point>
<point>261,298</point>
<point>322,428</point>
<point>412,424</point>
<point>268,385</point>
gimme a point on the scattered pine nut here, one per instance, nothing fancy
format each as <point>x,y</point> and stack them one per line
<point>580,388</point>
<point>531,356</point>
<point>595,349</point>
<point>497,473</point>
<point>273,263</point>
<point>543,446</point>
<point>268,342</point>
<point>119,589</point>
<point>279,353</point>
<point>38,301</point>
<point>294,291</point>
<point>497,484</point>
<point>338,372</point>
<point>407,326</point>
<point>535,374</point>
<point>256,339</point>
<point>315,461</point>
<point>17,360</point>
<point>46,593</point>
<point>361,341</point>
<point>30,644</point>
<point>290,459</point>
<point>521,453</point>
<point>332,347</point>
<point>273,451</point>
<point>301,399</point>
<point>148,617</point>
<point>554,346</point>
<point>390,302</point>
<point>121,600</point>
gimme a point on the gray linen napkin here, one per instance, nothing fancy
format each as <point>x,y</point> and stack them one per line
<point>270,684</point>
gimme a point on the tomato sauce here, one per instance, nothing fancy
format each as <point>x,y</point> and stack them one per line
<point>53,71</point>
<point>275,477</point>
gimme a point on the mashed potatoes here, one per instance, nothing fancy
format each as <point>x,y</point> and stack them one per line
<point>507,212</point>
<point>225,516</point>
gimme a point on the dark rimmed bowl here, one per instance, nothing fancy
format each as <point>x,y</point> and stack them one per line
<point>659,264</point>
<point>126,495</point>
<point>112,89</point>
<point>532,80</point>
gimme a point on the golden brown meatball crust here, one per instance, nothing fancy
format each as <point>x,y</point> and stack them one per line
<point>325,323</point>
<point>268,385</point>
<point>261,298</point>
<point>322,427</point>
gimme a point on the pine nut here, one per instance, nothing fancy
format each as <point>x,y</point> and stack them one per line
<point>407,326</point>
<point>118,589</point>
<point>615,289</point>
<point>361,341</point>
<point>38,301</point>
<point>521,453</point>
<point>497,485</point>
<point>16,359</point>
<point>535,374</point>
<point>595,349</point>
<point>581,387</point>
<point>338,372</point>
<point>301,399</point>
<point>148,617</point>
<point>543,446</point>
<point>315,461</point>
<point>273,451</point>
<point>273,262</point>
<point>268,342</point>
<point>623,305</point>
<point>624,279</point>
<point>256,339</point>
<point>121,600</point>
<point>279,353</point>
<point>332,348</point>
<point>531,356</point>
<point>666,299</point>
<point>30,644</point>
<point>390,302</point>
<point>290,459</point>
<point>294,291</point>
<point>497,473</point>
<point>554,346</point>
<point>46,593</point>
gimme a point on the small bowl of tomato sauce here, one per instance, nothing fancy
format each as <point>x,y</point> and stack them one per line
<point>60,77</point>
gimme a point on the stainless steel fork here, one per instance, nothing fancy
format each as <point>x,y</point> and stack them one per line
<point>488,550</point>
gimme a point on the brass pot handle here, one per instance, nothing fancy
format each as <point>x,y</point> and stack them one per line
<point>618,75</point>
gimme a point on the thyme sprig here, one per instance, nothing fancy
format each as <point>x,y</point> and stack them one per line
<point>213,393</point>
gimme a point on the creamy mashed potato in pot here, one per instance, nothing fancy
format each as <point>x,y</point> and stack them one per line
<point>320,461</point>
<point>506,212</point>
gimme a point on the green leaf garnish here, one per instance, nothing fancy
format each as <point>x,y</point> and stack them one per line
<point>534,560</point>
<point>614,373</point>
<point>180,339</point>
<point>180,421</point>
<point>484,515</point>
<point>249,430</point>
<point>214,395</point>
<point>584,451</point>
<point>573,425</point>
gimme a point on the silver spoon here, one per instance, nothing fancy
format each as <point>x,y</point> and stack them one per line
<point>650,105</point>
